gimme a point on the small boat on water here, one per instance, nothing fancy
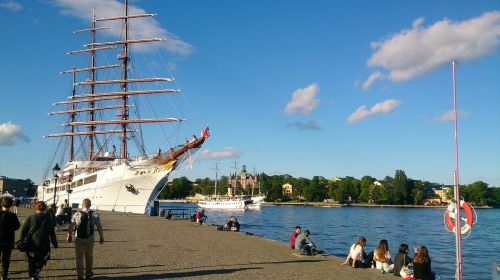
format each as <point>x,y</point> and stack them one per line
<point>223,201</point>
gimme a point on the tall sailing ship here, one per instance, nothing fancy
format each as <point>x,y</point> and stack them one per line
<point>99,115</point>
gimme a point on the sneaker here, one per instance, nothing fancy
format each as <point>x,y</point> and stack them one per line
<point>90,276</point>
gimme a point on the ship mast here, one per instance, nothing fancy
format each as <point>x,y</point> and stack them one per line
<point>91,100</point>
<point>124,59</point>
<point>92,87</point>
<point>72,118</point>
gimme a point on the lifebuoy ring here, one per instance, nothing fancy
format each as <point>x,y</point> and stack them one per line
<point>450,216</point>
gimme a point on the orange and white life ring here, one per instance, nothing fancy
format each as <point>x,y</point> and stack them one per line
<point>451,215</point>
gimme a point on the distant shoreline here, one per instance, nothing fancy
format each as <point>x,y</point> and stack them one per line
<point>328,204</point>
<point>335,205</point>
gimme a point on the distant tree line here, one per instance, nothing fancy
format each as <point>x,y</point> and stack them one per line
<point>397,190</point>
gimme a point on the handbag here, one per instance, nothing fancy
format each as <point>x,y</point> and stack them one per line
<point>405,270</point>
<point>24,244</point>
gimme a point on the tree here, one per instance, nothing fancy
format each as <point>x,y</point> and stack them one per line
<point>494,197</point>
<point>346,190</point>
<point>366,182</point>
<point>178,189</point>
<point>400,187</point>
<point>377,193</point>
<point>418,194</point>
<point>181,187</point>
<point>478,192</point>
<point>316,189</point>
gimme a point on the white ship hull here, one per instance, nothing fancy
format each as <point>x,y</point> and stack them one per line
<point>122,186</point>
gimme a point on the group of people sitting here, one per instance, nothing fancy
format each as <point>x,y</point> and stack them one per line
<point>418,267</point>
<point>232,224</point>
<point>199,217</point>
<point>301,242</point>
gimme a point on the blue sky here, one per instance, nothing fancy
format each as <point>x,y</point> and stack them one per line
<point>329,88</point>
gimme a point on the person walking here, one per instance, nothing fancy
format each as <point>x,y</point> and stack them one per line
<point>9,223</point>
<point>39,228</point>
<point>84,222</point>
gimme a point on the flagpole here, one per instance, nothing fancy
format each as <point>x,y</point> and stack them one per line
<point>458,233</point>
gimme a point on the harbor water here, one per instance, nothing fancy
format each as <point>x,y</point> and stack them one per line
<point>335,229</point>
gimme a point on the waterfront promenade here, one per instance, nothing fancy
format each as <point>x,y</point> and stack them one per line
<point>141,247</point>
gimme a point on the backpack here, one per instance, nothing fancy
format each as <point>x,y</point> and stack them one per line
<point>85,228</point>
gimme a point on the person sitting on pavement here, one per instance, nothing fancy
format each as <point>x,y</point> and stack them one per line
<point>356,257</point>
<point>422,264</point>
<point>304,244</point>
<point>168,216</point>
<point>201,217</point>
<point>401,259</point>
<point>232,224</point>
<point>382,257</point>
<point>294,236</point>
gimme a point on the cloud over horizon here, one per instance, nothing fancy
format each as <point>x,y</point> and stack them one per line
<point>310,125</point>
<point>11,5</point>
<point>141,28</point>
<point>450,116</point>
<point>304,100</point>
<point>228,152</point>
<point>415,51</point>
<point>380,108</point>
<point>11,134</point>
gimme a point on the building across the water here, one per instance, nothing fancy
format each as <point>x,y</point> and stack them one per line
<point>243,179</point>
<point>17,187</point>
<point>287,189</point>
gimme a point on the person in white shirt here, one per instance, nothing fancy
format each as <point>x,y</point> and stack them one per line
<point>382,257</point>
<point>355,258</point>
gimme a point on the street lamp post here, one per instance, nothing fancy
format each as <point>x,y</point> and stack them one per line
<point>55,170</point>
<point>69,191</point>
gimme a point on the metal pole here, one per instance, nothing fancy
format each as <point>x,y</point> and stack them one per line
<point>55,189</point>
<point>458,233</point>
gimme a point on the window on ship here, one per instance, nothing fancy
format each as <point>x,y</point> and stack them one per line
<point>90,179</point>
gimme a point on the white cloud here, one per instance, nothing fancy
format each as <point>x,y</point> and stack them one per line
<point>304,100</point>
<point>140,28</point>
<point>11,133</point>
<point>377,75</point>
<point>380,108</point>
<point>227,152</point>
<point>11,5</point>
<point>420,49</point>
<point>310,125</point>
<point>450,116</point>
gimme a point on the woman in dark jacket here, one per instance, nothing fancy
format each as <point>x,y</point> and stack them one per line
<point>40,224</point>
<point>401,259</point>
<point>9,223</point>
<point>422,265</point>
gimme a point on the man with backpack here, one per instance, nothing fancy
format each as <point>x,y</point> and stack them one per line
<point>84,222</point>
